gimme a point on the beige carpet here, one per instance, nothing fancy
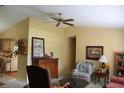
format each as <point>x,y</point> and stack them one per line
<point>11,82</point>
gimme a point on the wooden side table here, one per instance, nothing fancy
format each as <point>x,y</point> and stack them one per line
<point>98,75</point>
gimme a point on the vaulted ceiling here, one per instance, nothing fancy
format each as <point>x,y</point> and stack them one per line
<point>84,15</point>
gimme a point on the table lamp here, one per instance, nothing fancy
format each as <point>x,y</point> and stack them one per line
<point>103,59</point>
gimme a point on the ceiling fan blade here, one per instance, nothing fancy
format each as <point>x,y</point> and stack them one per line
<point>69,24</point>
<point>54,18</point>
<point>69,20</point>
<point>57,24</point>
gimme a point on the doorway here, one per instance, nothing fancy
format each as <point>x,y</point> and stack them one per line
<point>72,45</point>
<point>9,61</point>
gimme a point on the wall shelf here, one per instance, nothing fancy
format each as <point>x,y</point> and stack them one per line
<point>119,59</point>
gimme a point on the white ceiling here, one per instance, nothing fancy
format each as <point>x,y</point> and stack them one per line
<point>84,15</point>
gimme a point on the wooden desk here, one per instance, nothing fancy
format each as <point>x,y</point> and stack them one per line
<point>98,75</point>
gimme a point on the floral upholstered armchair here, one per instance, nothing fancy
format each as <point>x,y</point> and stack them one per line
<point>83,70</point>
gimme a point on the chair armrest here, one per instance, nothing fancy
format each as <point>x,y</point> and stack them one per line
<point>75,70</point>
<point>118,79</point>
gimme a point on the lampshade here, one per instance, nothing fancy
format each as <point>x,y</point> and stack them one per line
<point>103,59</point>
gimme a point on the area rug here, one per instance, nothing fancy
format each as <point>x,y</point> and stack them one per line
<point>74,82</point>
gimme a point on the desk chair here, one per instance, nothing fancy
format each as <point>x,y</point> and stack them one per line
<point>38,77</point>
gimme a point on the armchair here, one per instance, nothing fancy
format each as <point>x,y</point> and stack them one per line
<point>83,70</point>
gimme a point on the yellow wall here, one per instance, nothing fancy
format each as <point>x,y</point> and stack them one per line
<point>111,39</point>
<point>57,41</point>
<point>53,40</point>
<point>19,31</point>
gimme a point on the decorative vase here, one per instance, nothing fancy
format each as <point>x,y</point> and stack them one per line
<point>51,54</point>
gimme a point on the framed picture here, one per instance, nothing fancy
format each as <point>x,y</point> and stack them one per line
<point>94,52</point>
<point>38,50</point>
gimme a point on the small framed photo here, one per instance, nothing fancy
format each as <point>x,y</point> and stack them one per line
<point>94,52</point>
<point>38,50</point>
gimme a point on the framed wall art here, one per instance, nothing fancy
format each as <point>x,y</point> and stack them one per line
<point>94,52</point>
<point>38,50</point>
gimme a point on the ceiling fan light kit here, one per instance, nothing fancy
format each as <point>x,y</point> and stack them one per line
<point>61,20</point>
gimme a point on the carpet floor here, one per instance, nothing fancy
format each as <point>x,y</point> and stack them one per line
<point>11,82</point>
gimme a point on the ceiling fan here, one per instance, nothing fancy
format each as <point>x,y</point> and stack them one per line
<point>61,20</point>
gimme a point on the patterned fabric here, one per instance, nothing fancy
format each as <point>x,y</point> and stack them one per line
<point>117,82</point>
<point>83,70</point>
<point>114,85</point>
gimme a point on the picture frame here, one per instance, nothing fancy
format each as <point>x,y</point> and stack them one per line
<point>38,48</point>
<point>94,52</point>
